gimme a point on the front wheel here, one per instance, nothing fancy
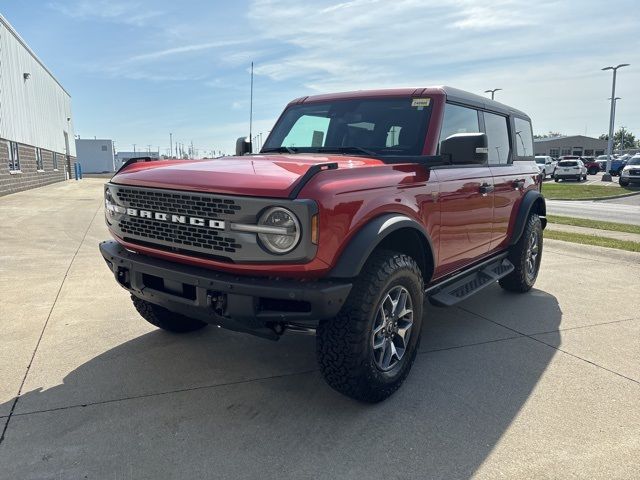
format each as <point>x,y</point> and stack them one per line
<point>623,182</point>
<point>367,350</point>
<point>525,256</point>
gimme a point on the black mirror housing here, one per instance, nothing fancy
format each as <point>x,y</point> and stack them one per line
<point>243,147</point>
<point>465,148</point>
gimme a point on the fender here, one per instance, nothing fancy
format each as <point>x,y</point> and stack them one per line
<point>370,236</point>
<point>533,201</point>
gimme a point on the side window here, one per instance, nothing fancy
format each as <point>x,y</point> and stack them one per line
<point>524,137</point>
<point>14,157</point>
<point>39,164</point>
<point>308,131</point>
<point>497,138</point>
<point>458,119</point>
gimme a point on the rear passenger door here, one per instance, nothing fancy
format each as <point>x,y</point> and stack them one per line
<point>509,178</point>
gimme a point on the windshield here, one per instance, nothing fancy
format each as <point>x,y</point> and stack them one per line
<point>634,161</point>
<point>540,160</point>
<point>356,126</point>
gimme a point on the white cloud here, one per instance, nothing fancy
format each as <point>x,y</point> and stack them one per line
<point>129,13</point>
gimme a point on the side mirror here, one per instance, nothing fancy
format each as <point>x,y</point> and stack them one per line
<point>465,148</point>
<point>243,146</point>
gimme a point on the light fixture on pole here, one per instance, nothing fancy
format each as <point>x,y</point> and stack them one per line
<point>607,175</point>
<point>492,92</point>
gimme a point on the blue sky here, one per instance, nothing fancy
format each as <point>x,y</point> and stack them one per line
<point>139,69</point>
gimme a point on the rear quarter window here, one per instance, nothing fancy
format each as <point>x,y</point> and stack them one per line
<point>524,137</point>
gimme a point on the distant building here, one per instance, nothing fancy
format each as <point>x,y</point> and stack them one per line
<point>95,155</point>
<point>35,118</point>
<point>122,157</point>
<point>572,145</point>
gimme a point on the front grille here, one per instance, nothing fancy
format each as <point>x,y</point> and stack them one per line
<point>178,236</point>
<point>634,172</point>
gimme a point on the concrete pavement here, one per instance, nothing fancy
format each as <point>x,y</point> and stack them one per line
<point>545,384</point>
<point>627,212</point>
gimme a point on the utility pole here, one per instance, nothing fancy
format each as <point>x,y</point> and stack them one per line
<point>134,148</point>
<point>251,108</point>
<point>492,92</point>
<point>607,176</point>
<point>170,145</point>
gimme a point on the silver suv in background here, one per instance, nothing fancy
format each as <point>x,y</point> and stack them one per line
<point>631,172</point>
<point>570,169</point>
<point>546,165</point>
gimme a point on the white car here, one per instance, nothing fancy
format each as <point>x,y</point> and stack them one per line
<point>572,169</point>
<point>631,172</point>
<point>546,165</point>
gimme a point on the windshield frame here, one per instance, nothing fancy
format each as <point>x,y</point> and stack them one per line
<point>273,143</point>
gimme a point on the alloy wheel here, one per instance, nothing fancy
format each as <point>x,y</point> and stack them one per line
<point>392,328</point>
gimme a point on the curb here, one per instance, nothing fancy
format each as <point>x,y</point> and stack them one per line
<point>590,199</point>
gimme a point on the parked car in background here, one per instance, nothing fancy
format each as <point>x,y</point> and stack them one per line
<point>570,168</point>
<point>546,165</point>
<point>602,161</point>
<point>617,164</point>
<point>630,172</point>
<point>593,167</point>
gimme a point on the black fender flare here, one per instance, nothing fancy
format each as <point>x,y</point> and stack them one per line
<point>365,241</point>
<point>533,200</point>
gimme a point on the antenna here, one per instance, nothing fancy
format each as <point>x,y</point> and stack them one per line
<point>251,106</point>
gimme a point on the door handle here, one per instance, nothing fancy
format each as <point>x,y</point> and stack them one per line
<point>486,188</point>
<point>518,184</point>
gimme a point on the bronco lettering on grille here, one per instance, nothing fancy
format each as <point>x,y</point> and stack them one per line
<point>166,217</point>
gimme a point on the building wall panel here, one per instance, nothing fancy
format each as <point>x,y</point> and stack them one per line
<point>33,111</point>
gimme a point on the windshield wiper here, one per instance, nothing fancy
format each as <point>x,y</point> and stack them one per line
<point>280,150</point>
<point>348,149</point>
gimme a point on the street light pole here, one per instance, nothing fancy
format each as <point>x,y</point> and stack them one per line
<point>492,92</point>
<point>170,145</point>
<point>607,176</point>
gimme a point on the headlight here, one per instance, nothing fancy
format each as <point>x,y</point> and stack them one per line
<point>110,204</point>
<point>280,230</point>
<point>625,173</point>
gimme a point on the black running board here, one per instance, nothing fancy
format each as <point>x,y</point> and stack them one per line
<point>461,287</point>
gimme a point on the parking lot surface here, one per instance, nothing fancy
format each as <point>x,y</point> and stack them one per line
<point>541,385</point>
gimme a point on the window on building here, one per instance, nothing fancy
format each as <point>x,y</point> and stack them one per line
<point>458,119</point>
<point>566,151</point>
<point>599,152</point>
<point>554,152</point>
<point>14,157</point>
<point>497,138</point>
<point>104,148</point>
<point>55,161</point>
<point>39,163</point>
<point>588,152</point>
<point>524,137</point>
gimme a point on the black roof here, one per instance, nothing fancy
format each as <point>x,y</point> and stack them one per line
<point>478,101</point>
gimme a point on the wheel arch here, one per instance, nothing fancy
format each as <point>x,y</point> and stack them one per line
<point>390,231</point>
<point>533,202</point>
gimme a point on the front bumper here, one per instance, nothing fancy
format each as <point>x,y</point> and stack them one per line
<point>248,304</point>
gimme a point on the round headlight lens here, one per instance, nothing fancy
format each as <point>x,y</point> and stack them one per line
<point>285,221</point>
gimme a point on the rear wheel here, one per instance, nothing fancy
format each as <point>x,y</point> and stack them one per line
<point>525,256</point>
<point>165,319</point>
<point>556,179</point>
<point>367,350</point>
<point>593,170</point>
<point>579,178</point>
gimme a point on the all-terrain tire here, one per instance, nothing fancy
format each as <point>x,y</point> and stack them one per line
<point>526,269</point>
<point>344,344</point>
<point>165,319</point>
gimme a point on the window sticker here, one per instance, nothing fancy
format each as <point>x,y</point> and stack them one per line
<point>420,102</point>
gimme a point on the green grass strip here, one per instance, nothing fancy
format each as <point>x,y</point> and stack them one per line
<point>573,191</point>
<point>593,240</point>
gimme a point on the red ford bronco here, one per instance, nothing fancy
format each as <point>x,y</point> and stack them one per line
<point>358,208</point>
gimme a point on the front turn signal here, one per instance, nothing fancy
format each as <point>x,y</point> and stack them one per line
<point>315,232</point>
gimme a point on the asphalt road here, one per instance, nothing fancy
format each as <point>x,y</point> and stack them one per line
<point>538,385</point>
<point>623,210</point>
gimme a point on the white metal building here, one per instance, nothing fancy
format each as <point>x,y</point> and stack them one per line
<point>36,125</point>
<point>95,155</point>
